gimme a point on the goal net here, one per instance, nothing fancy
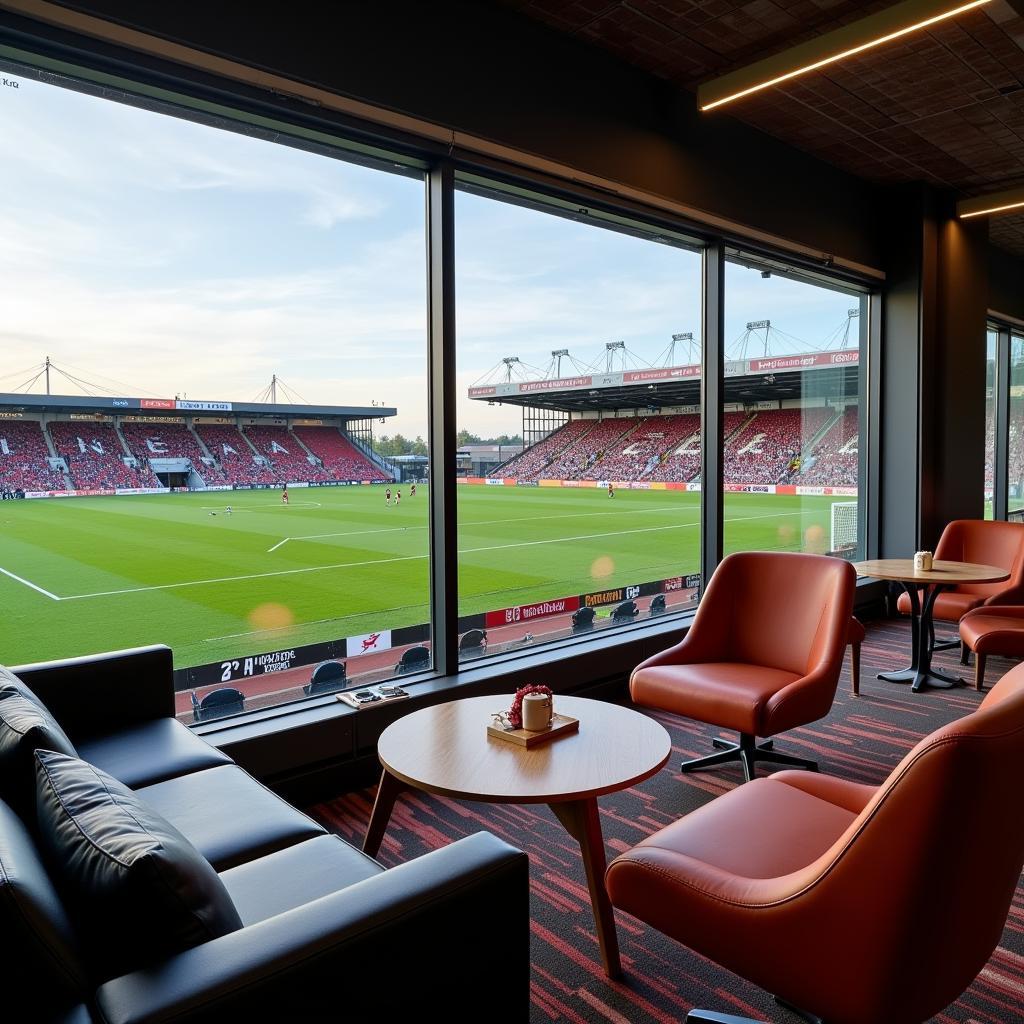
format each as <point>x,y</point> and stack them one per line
<point>844,525</point>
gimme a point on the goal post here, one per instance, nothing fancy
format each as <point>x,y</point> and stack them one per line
<point>844,525</point>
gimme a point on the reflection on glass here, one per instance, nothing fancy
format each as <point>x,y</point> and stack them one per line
<point>791,439</point>
<point>990,420</point>
<point>1015,448</point>
<point>579,423</point>
<point>243,322</point>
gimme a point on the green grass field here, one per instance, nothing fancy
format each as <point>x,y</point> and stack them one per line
<point>91,574</point>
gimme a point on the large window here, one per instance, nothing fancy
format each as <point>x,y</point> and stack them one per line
<point>195,307</point>
<point>215,399</point>
<point>793,411</point>
<point>579,352</point>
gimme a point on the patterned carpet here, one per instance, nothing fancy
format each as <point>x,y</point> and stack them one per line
<point>862,739</point>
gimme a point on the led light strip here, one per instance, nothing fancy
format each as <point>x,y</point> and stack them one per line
<point>997,202</point>
<point>911,8</point>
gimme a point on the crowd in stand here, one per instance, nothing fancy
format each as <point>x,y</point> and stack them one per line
<point>641,451</point>
<point>767,447</point>
<point>836,457</point>
<point>23,455</point>
<point>534,462</point>
<point>95,457</point>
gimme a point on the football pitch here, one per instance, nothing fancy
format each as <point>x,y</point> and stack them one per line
<point>83,575</point>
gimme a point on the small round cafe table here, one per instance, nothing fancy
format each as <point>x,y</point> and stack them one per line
<point>446,750</point>
<point>923,588</point>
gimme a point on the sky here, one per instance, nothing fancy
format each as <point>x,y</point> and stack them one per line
<point>181,259</point>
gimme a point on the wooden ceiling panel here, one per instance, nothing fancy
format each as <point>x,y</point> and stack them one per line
<point>944,106</point>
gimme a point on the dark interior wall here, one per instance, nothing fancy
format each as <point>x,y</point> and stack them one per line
<point>1006,283</point>
<point>492,73</point>
<point>955,428</point>
<point>933,370</point>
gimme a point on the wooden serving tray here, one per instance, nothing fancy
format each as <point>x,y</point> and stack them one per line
<point>560,724</point>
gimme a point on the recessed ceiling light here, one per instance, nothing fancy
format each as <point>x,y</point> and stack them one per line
<point>875,30</point>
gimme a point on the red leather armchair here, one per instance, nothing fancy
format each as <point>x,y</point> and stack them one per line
<point>763,654</point>
<point>983,541</point>
<point>854,903</point>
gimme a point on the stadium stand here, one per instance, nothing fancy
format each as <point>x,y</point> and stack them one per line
<point>532,463</point>
<point>168,441</point>
<point>835,458</point>
<point>763,451</point>
<point>341,459</point>
<point>289,460</point>
<point>581,455</point>
<point>23,455</point>
<point>645,451</point>
<point>95,456</point>
<point>234,456</point>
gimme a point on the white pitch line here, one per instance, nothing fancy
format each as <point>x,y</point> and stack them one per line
<point>402,558</point>
<point>45,593</point>
<point>481,522</point>
<point>352,533</point>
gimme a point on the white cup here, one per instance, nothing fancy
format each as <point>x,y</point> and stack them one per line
<point>923,561</point>
<point>537,712</point>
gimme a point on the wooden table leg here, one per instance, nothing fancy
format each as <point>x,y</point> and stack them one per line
<point>580,819</point>
<point>387,793</point>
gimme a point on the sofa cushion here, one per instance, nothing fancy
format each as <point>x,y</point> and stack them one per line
<point>135,887</point>
<point>287,879</point>
<point>41,955</point>
<point>25,726</point>
<point>228,816</point>
<point>151,752</point>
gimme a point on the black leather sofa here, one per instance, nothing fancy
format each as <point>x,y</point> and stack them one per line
<point>327,933</point>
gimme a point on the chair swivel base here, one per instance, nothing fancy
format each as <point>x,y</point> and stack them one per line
<point>748,753</point>
<point>696,1016</point>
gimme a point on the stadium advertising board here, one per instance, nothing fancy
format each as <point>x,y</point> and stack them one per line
<point>617,595</point>
<point>529,612</point>
<point>190,406</point>
<point>157,403</point>
<point>256,665</point>
<point>367,643</point>
<point>671,373</point>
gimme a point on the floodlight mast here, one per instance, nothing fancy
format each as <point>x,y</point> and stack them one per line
<point>508,361</point>
<point>557,355</point>
<point>851,315</point>
<point>610,349</point>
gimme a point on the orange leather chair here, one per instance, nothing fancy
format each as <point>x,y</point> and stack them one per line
<point>861,905</point>
<point>763,654</point>
<point>992,629</point>
<point>984,541</point>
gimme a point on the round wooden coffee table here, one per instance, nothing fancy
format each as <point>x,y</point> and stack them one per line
<point>942,576</point>
<point>446,750</point>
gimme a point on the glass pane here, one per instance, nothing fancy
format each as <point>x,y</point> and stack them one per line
<point>209,333</point>
<point>791,440</point>
<point>579,459</point>
<point>1015,451</point>
<point>990,420</point>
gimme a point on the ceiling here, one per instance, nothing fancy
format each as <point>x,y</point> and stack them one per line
<point>944,106</point>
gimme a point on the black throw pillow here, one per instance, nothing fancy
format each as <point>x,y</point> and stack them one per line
<point>135,887</point>
<point>25,726</point>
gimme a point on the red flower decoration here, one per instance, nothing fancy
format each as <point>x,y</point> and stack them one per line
<point>515,713</point>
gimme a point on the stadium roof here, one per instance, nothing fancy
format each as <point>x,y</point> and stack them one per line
<point>158,406</point>
<point>747,381</point>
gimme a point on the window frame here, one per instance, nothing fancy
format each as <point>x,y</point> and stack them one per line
<point>182,90</point>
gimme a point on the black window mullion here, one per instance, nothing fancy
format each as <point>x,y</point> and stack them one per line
<point>444,593</point>
<point>711,418</point>
<point>1001,388</point>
